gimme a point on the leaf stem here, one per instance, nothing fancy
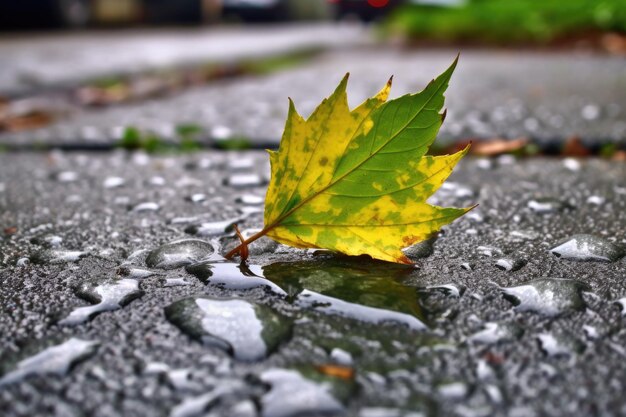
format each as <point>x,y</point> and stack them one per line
<point>246,242</point>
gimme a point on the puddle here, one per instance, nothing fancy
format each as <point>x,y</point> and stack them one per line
<point>356,288</point>
<point>232,276</point>
<point>107,296</point>
<point>55,360</point>
<point>245,330</point>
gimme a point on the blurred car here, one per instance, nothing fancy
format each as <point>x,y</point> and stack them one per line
<point>44,13</point>
<point>367,10</point>
<point>277,10</point>
<point>80,13</point>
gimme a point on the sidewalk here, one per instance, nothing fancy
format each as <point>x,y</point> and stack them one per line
<point>545,97</point>
<point>51,60</point>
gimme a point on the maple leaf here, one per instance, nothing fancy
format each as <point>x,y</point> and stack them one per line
<point>357,181</point>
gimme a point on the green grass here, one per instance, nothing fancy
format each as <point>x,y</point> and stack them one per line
<point>272,64</point>
<point>187,134</point>
<point>507,22</point>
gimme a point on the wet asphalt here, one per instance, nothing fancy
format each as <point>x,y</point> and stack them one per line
<point>70,226</point>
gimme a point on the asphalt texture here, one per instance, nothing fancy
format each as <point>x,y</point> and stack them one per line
<point>457,335</point>
<point>548,97</point>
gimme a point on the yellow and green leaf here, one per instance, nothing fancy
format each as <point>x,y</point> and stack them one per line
<point>357,181</point>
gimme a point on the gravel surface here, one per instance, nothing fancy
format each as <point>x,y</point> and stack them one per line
<point>515,310</point>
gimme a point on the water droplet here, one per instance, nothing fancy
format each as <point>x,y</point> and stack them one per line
<point>175,282</point>
<point>547,205</point>
<point>485,164</point>
<point>121,200</point>
<point>590,112</point>
<point>531,124</point>
<point>113,182</point>
<point>493,333</point>
<point>156,368</point>
<point>510,264</point>
<point>245,408</point>
<point>335,306</point>
<point>208,229</point>
<point>489,251</point>
<point>455,190</point>
<point>421,250</point>
<point>240,163</point>
<point>591,332</point>
<point>188,182</point>
<point>523,235</point>
<point>341,357</point>
<point>51,256</point>
<point>596,200</point>
<point>108,296</point>
<point>244,180</point>
<point>388,412</point>
<point>248,331</point>
<point>135,273</point>
<point>494,394</point>
<point>180,253</point>
<point>194,406</point>
<point>197,198</point>
<point>197,406</point>
<point>292,394</point>
<point>572,164</point>
<point>250,210</point>
<point>449,290</point>
<point>250,200</point>
<point>55,360</point>
<point>181,379</point>
<point>588,248</point>
<point>157,181</point>
<point>22,262</point>
<point>622,303</point>
<point>183,220</point>
<point>232,276</point>
<point>453,390</point>
<point>67,176</point>
<point>467,266</point>
<point>137,257</point>
<point>48,241</point>
<point>355,288</point>
<point>548,296</point>
<point>221,132</point>
<point>145,207</point>
<point>559,345</point>
<point>475,217</point>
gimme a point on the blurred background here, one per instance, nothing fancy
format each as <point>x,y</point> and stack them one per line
<point>107,73</point>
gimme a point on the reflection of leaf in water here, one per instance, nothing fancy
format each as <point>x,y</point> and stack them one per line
<point>355,280</point>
